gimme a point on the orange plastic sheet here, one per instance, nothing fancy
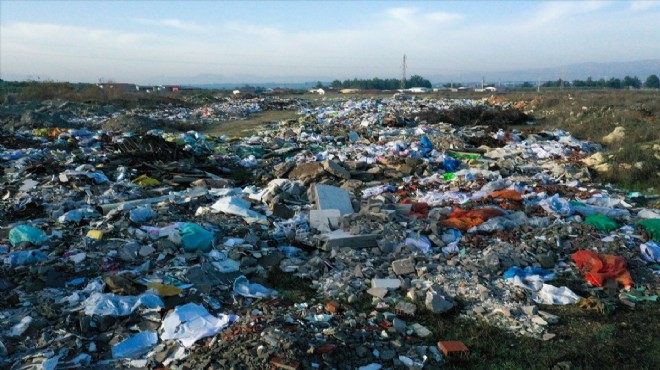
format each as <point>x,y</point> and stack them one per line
<point>509,194</point>
<point>418,209</point>
<point>600,267</point>
<point>464,220</point>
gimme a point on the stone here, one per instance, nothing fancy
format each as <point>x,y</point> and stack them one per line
<point>399,325</point>
<point>530,310</point>
<point>550,318</point>
<point>306,171</point>
<point>421,330</point>
<point>337,170</point>
<point>403,266</point>
<point>331,197</point>
<point>377,292</point>
<point>387,355</point>
<point>549,336</point>
<point>438,301</point>
<point>405,308</point>
<point>539,320</point>
<point>547,260</point>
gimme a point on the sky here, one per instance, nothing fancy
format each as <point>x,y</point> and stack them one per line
<point>293,41</point>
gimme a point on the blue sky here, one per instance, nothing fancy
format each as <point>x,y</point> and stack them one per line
<point>293,41</point>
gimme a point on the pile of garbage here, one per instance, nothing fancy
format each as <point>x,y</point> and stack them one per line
<point>159,249</point>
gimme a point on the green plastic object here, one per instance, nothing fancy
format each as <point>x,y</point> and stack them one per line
<point>27,233</point>
<point>652,225</point>
<point>601,222</point>
<point>195,238</point>
<point>449,176</point>
<point>463,155</point>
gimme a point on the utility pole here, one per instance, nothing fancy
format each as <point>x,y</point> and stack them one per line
<point>483,81</point>
<point>403,74</point>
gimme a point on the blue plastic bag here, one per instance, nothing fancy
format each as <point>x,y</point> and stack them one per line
<point>195,238</point>
<point>27,233</point>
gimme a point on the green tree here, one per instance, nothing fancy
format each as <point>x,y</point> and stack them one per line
<point>319,85</point>
<point>633,82</point>
<point>418,81</point>
<point>335,84</point>
<point>526,85</point>
<point>652,82</point>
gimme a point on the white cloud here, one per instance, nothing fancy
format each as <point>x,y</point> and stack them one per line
<point>174,23</point>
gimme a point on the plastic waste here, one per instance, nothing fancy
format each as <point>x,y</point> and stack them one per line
<point>422,243</point>
<point>27,233</point>
<point>652,225</point>
<point>550,294</point>
<point>23,258</point>
<point>195,238</point>
<point>451,165</point>
<point>135,346</point>
<point>114,305</point>
<point>238,207</point>
<point>650,251</point>
<point>20,328</point>
<point>78,215</point>
<point>600,267</point>
<point>145,181</point>
<point>557,206</point>
<point>141,214</point>
<point>601,222</point>
<point>243,287</point>
<point>191,322</point>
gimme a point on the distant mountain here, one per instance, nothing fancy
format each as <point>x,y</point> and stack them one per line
<point>580,71</point>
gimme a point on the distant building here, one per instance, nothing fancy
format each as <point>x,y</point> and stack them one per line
<point>349,91</point>
<point>419,90</point>
<point>317,91</point>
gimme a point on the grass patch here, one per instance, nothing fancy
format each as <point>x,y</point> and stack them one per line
<point>585,340</point>
<point>242,128</point>
<point>291,289</point>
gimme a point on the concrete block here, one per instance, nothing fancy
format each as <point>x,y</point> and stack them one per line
<point>331,197</point>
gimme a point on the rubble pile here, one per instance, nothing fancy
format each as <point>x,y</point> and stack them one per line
<point>321,242</point>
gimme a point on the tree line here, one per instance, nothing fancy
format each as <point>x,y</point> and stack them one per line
<point>379,83</point>
<point>652,82</point>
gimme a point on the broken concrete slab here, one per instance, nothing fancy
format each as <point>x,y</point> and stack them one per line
<point>377,292</point>
<point>403,266</point>
<point>437,301</point>
<point>324,220</point>
<point>331,197</point>
<point>340,238</point>
<point>386,283</point>
<point>336,169</point>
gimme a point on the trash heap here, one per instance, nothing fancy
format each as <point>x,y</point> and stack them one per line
<point>158,249</point>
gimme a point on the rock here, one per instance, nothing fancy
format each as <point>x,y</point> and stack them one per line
<point>438,301</point>
<point>421,330</point>
<point>549,336</point>
<point>403,266</point>
<point>405,308</point>
<point>387,355</point>
<point>377,292</point>
<point>539,320</point>
<point>530,310</point>
<point>306,171</point>
<point>337,170</point>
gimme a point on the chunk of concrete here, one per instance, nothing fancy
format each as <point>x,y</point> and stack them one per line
<point>331,197</point>
<point>340,238</point>
<point>403,266</point>
<point>324,220</point>
<point>336,169</point>
<point>306,171</point>
<point>377,292</point>
<point>405,308</point>
<point>386,283</point>
<point>421,330</point>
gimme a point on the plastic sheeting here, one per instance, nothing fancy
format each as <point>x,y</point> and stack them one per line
<point>600,267</point>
